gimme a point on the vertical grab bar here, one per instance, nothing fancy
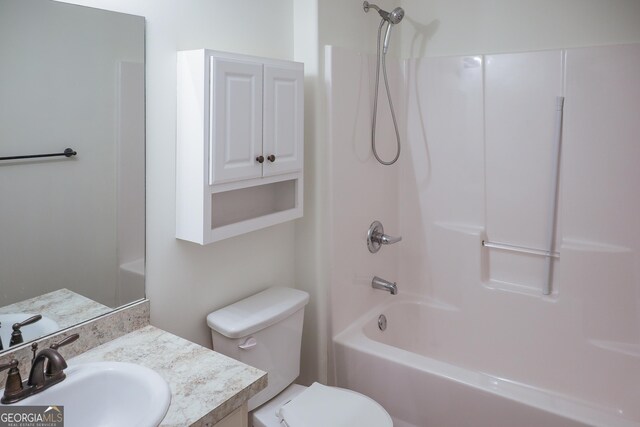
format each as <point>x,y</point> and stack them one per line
<point>555,174</point>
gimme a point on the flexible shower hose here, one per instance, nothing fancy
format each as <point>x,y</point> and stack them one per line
<point>375,103</point>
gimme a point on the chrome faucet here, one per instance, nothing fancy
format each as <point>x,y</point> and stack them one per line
<point>41,376</point>
<point>376,237</point>
<point>385,285</point>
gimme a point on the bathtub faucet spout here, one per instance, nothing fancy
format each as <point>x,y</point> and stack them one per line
<point>385,285</point>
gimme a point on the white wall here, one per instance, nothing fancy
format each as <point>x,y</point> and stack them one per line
<point>309,273</point>
<point>186,281</point>
<point>345,24</point>
<point>445,27</point>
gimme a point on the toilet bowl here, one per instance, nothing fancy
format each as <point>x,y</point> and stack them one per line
<point>320,406</point>
<point>265,331</point>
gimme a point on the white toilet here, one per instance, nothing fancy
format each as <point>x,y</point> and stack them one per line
<point>265,331</point>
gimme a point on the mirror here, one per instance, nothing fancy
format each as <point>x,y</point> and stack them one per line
<point>72,228</point>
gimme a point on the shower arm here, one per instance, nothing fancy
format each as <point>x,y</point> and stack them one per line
<point>393,17</point>
<point>366,6</point>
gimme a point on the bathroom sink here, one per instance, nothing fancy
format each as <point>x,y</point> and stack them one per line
<point>108,394</point>
<point>44,326</point>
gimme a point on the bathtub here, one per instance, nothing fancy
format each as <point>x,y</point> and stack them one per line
<point>412,376</point>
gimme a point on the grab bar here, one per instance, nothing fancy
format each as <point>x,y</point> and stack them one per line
<point>553,206</point>
<point>68,152</point>
<point>521,249</point>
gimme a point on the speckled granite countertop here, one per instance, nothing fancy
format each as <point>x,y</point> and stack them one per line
<point>63,306</point>
<point>205,386</point>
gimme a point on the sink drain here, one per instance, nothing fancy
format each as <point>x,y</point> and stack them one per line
<point>382,322</point>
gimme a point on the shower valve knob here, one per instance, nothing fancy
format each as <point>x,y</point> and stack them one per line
<point>376,237</point>
<point>260,159</point>
<point>271,158</point>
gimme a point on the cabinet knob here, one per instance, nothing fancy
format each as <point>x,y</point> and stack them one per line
<point>271,158</point>
<point>260,159</point>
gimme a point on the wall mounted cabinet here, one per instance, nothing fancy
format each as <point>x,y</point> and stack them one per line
<point>240,134</point>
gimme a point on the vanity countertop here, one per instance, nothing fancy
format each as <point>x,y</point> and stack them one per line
<point>205,386</point>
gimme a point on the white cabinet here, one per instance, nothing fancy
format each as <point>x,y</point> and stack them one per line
<point>236,120</point>
<point>283,120</point>
<point>240,134</point>
<point>238,418</point>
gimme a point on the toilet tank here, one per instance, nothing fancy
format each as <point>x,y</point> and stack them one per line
<point>264,331</point>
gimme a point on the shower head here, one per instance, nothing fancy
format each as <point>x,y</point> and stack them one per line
<point>396,15</point>
<point>393,17</point>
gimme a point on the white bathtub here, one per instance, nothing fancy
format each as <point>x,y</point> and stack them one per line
<point>407,372</point>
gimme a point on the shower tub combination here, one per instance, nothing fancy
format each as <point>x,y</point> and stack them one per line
<point>486,341</point>
<point>431,392</point>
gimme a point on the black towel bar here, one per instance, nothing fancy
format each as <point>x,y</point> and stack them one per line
<point>68,152</point>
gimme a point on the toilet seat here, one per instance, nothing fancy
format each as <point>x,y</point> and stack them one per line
<point>322,406</point>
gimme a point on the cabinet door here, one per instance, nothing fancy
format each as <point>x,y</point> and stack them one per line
<point>235,136</point>
<point>238,418</point>
<point>283,112</point>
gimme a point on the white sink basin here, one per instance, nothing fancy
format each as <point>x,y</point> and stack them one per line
<point>44,326</point>
<point>105,394</point>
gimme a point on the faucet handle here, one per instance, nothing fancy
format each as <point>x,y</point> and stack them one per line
<point>65,341</point>
<point>385,239</point>
<point>376,237</point>
<point>14,380</point>
<point>16,335</point>
<point>13,363</point>
<point>30,320</point>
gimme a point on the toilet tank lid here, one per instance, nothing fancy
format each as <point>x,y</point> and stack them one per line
<point>257,312</point>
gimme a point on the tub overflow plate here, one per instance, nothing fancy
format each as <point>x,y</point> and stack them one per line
<point>382,322</point>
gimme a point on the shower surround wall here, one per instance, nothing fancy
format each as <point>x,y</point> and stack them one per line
<point>476,166</point>
<point>361,190</point>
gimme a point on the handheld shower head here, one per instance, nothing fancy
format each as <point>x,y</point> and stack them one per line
<point>387,38</point>
<point>392,18</point>
<point>396,15</point>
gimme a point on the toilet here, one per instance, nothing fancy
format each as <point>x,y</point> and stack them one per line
<point>265,331</point>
